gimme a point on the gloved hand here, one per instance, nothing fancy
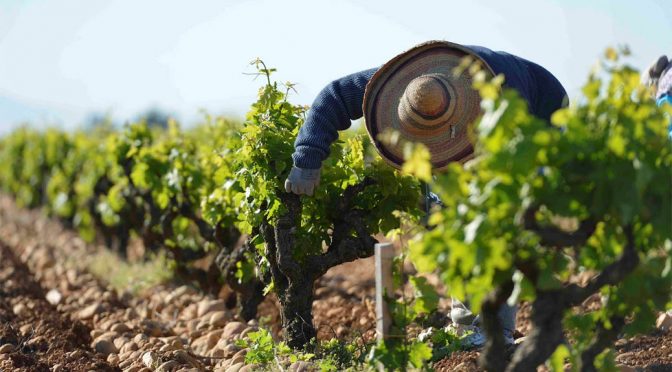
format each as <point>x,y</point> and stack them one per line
<point>665,83</point>
<point>659,76</point>
<point>302,181</point>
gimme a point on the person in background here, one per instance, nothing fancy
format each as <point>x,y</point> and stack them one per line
<point>418,95</point>
<point>659,76</point>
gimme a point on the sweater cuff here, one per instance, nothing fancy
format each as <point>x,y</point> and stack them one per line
<point>306,157</point>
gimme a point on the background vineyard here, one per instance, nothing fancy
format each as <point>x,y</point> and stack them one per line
<point>215,191</point>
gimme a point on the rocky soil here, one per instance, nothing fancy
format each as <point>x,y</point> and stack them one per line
<point>55,315</point>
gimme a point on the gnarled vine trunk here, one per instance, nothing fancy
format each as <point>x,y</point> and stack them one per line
<point>550,305</point>
<point>294,280</point>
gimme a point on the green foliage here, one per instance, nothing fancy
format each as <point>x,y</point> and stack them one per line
<point>444,342</point>
<point>335,355</point>
<point>606,160</point>
<point>262,349</point>
<point>264,160</point>
<point>110,184</point>
<point>397,356</point>
<point>398,352</point>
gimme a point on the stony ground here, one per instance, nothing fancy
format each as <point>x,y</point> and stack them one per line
<point>56,316</point>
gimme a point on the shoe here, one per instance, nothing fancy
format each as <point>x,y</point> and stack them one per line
<point>474,340</point>
<point>459,314</point>
<point>477,338</point>
<point>473,336</point>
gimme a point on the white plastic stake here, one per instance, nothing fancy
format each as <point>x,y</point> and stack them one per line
<point>384,286</point>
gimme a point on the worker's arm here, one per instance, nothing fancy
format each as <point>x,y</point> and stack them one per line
<point>333,109</point>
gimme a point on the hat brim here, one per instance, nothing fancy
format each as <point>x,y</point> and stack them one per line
<point>450,141</point>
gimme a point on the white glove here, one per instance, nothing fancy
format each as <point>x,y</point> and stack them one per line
<point>302,181</point>
<point>665,83</point>
<point>658,69</point>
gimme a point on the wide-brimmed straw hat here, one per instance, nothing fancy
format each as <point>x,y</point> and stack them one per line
<point>418,95</point>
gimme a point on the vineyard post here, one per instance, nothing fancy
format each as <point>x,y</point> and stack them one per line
<point>384,288</point>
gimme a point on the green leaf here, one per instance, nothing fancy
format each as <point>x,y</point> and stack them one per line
<point>558,358</point>
<point>426,297</point>
<point>419,353</point>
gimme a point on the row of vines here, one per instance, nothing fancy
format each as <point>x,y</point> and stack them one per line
<point>539,207</point>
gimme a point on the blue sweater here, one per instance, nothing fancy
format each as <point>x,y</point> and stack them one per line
<point>666,99</point>
<point>341,101</point>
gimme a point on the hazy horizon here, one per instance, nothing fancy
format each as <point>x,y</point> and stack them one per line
<point>62,61</point>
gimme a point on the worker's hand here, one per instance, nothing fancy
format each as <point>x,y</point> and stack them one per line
<point>653,74</point>
<point>665,83</point>
<point>302,181</point>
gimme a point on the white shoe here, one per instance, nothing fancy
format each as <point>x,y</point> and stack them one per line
<point>475,339</point>
<point>474,336</point>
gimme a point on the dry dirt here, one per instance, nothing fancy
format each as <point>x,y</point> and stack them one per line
<point>54,315</point>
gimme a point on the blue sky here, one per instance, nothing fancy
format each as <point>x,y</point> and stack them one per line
<point>60,60</point>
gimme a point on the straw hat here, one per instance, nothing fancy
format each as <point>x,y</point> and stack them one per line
<point>417,94</point>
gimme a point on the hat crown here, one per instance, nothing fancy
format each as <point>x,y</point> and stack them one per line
<point>427,96</point>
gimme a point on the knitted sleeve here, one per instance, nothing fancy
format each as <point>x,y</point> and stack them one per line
<point>550,95</point>
<point>333,109</point>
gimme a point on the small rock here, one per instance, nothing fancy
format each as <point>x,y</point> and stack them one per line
<point>230,350</point>
<point>125,362</point>
<point>235,367</point>
<point>140,337</point>
<point>248,330</point>
<point>105,347</point>
<point>248,368</point>
<point>332,313</point>
<point>128,347</point>
<point>151,328</point>
<point>177,293</point>
<point>57,368</point>
<point>120,328</point>
<point>109,335</point>
<point>7,348</point>
<point>76,354</point>
<point>208,306</point>
<point>218,319</point>
<point>239,357</point>
<point>119,342</point>
<point>166,348</point>
<point>216,353</point>
<point>89,311</point>
<point>38,342</point>
<point>54,297</point>
<point>149,359</point>
<point>232,329</point>
<point>664,321</point>
<point>167,366</point>
<point>624,356</point>
<point>20,310</point>
<point>625,368</point>
<point>184,358</point>
<point>26,329</point>
<point>301,366</point>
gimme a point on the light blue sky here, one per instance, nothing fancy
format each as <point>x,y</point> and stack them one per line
<point>60,60</point>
